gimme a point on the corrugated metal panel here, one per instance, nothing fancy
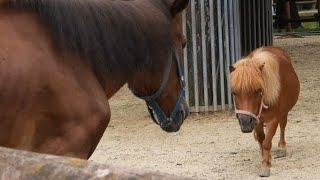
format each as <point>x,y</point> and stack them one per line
<point>256,24</point>
<point>219,32</point>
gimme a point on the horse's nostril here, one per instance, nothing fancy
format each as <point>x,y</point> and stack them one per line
<point>185,114</point>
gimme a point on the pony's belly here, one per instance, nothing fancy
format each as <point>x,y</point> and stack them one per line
<point>290,91</point>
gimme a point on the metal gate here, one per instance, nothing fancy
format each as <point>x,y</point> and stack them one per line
<point>256,24</point>
<point>219,32</point>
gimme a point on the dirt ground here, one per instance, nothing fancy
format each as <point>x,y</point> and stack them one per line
<point>211,146</point>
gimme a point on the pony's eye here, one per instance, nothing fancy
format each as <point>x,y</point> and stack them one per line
<point>257,92</point>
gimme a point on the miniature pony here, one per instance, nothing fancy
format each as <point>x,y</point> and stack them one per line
<point>265,88</point>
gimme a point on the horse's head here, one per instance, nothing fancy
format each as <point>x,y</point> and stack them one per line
<point>163,87</point>
<point>247,87</point>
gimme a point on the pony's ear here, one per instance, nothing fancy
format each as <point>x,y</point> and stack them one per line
<point>176,6</point>
<point>261,66</point>
<point>231,69</point>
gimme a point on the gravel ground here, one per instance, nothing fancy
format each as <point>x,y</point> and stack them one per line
<point>211,146</point>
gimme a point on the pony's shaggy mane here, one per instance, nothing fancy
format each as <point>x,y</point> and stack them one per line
<point>117,36</point>
<point>247,77</point>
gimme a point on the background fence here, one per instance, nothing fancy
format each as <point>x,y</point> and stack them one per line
<point>219,32</point>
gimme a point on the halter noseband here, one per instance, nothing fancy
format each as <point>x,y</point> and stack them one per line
<point>256,117</point>
<point>153,107</point>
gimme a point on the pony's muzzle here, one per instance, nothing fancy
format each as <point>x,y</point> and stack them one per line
<point>246,122</point>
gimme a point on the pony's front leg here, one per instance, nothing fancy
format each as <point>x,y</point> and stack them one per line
<point>282,147</point>
<point>271,127</point>
<point>259,134</point>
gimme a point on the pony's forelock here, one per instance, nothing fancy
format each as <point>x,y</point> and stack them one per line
<point>248,77</point>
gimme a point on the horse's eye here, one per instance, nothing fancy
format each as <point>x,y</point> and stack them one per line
<point>184,44</point>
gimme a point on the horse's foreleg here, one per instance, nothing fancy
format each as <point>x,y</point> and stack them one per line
<point>103,119</point>
<point>282,147</point>
<point>271,128</point>
<point>259,134</point>
<point>79,135</point>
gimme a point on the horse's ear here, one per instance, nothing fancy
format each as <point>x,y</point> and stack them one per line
<point>231,69</point>
<point>261,66</point>
<point>177,6</point>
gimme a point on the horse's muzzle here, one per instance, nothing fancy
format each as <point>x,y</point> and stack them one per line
<point>177,121</point>
<point>246,123</point>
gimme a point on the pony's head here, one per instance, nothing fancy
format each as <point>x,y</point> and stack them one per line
<point>164,90</point>
<point>247,84</point>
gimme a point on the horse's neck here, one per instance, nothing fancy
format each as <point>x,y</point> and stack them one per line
<point>112,84</point>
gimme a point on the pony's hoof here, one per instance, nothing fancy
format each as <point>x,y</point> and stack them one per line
<point>264,172</point>
<point>281,153</point>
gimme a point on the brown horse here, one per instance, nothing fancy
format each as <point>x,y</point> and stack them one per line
<point>265,88</point>
<point>61,60</point>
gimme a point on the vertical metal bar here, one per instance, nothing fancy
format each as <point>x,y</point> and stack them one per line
<point>204,55</point>
<point>249,15</point>
<point>213,56</point>
<point>233,15</point>
<point>238,28</point>
<point>267,23</point>
<point>185,56</point>
<point>227,51</point>
<point>232,31</point>
<point>194,55</point>
<point>254,19</point>
<point>271,24</point>
<point>244,21</point>
<point>235,25</point>
<point>264,20</point>
<point>259,24</point>
<point>221,56</point>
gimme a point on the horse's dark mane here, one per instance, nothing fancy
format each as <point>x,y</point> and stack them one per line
<point>110,35</point>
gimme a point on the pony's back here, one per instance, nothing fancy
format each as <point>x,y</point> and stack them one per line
<point>281,53</point>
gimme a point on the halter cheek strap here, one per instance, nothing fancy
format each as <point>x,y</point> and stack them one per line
<point>153,107</point>
<point>257,117</point>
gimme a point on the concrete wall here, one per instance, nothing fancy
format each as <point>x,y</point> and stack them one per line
<point>22,165</point>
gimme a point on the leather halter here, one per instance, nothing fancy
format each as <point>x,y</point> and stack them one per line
<point>153,106</point>
<point>256,117</point>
